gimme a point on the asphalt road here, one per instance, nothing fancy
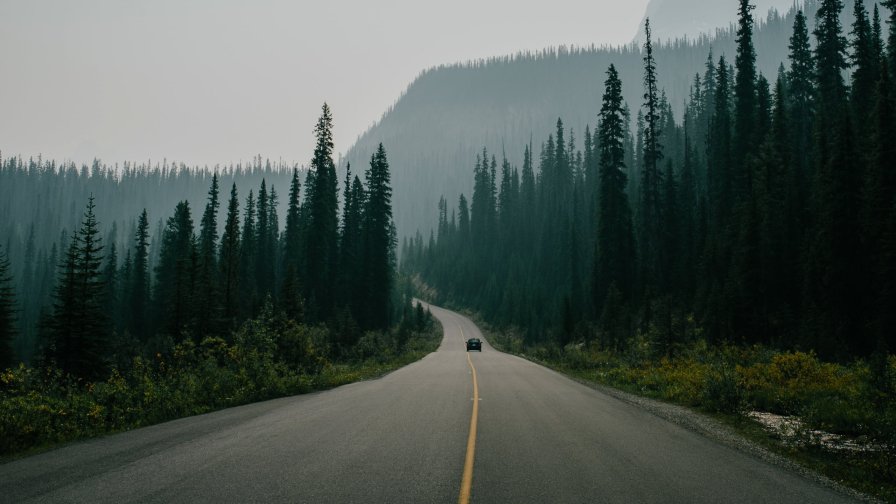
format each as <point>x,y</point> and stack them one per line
<point>537,437</point>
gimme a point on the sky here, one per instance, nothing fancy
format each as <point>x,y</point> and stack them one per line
<point>219,81</point>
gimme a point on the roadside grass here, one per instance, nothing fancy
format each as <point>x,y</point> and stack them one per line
<point>40,408</point>
<point>844,414</point>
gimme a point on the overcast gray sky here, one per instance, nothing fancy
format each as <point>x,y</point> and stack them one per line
<point>209,81</point>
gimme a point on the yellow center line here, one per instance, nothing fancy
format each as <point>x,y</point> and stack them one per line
<point>467,482</point>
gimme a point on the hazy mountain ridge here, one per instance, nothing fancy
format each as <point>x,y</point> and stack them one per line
<point>449,113</point>
<point>675,19</point>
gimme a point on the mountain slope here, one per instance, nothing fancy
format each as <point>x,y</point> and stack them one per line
<point>692,18</point>
<point>446,116</point>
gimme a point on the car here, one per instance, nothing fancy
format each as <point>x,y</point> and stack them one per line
<point>474,344</point>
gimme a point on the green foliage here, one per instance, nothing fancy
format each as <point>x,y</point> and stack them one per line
<point>78,326</point>
<point>268,356</point>
<point>7,312</point>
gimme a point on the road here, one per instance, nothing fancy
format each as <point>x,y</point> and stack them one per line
<point>415,436</point>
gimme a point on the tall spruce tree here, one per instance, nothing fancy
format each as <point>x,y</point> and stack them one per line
<point>649,212</point>
<point>7,312</point>
<point>865,73</point>
<point>78,327</point>
<point>891,39</point>
<point>379,242</point>
<point>351,247</point>
<point>745,101</point>
<point>717,253</point>
<point>263,252</point>
<point>801,99</point>
<point>176,272</point>
<point>290,295</point>
<point>322,235</point>
<point>248,254</point>
<point>614,258</point>
<point>139,290</point>
<point>208,304</point>
<point>229,259</point>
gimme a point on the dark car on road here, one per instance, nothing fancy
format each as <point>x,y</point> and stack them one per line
<point>474,344</point>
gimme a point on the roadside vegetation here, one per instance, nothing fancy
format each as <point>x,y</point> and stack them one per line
<point>738,259</point>
<point>836,418</point>
<point>190,320</point>
<point>267,357</point>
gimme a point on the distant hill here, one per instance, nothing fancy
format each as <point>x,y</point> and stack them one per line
<point>675,19</point>
<point>446,116</point>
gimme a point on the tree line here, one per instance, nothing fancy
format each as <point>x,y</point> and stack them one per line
<point>765,215</point>
<point>42,202</point>
<point>108,304</point>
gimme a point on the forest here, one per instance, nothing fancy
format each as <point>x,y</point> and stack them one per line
<point>451,111</point>
<point>186,318</point>
<point>740,260</point>
<point>765,216</point>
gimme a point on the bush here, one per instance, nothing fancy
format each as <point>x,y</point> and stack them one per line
<point>270,356</point>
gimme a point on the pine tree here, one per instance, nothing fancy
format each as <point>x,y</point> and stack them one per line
<point>879,196</point>
<point>830,57</point>
<point>139,290</point>
<point>891,40</point>
<point>836,295</point>
<point>321,241</point>
<point>229,258</point>
<point>351,248</point>
<point>801,112</point>
<point>877,39</point>
<point>615,250</point>
<point>379,242</point>
<point>865,72</point>
<point>7,312</point>
<point>263,252</point>
<point>649,213</point>
<point>207,305</point>
<point>110,279</point>
<point>78,328</point>
<point>745,101</point>
<point>176,274</point>
<point>248,253</point>
<point>292,243</point>
<point>717,253</point>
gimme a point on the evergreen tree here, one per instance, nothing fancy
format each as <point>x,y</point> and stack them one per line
<point>745,101</point>
<point>110,279</point>
<point>139,290</point>
<point>292,242</point>
<point>229,258</point>
<point>879,198</point>
<point>615,250</point>
<point>176,274</point>
<point>649,213</point>
<point>248,253</point>
<point>78,332</point>
<point>7,312</point>
<point>262,241</point>
<point>322,233</point>
<point>865,72</point>
<point>830,58</point>
<point>801,98</point>
<point>351,249</point>
<point>891,40</point>
<point>207,305</point>
<point>715,292</point>
<point>379,242</point>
